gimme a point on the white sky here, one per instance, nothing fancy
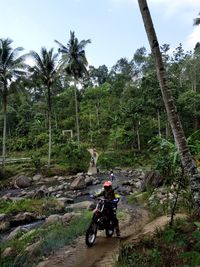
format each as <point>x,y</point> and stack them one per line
<point>115,27</point>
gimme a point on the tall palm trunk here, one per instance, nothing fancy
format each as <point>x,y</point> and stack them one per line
<point>173,118</point>
<point>4,125</point>
<point>159,127</point>
<point>90,116</point>
<point>76,108</point>
<point>138,139</point>
<point>49,122</point>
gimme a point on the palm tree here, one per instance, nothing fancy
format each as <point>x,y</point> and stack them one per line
<point>197,21</point>
<point>11,67</point>
<point>46,70</point>
<point>173,118</point>
<point>75,63</point>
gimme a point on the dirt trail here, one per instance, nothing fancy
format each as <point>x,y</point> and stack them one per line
<point>105,250</point>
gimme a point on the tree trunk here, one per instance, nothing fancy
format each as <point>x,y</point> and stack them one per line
<point>56,120</point>
<point>4,126</point>
<point>97,115</point>
<point>173,118</point>
<point>159,129</point>
<point>77,118</point>
<point>90,127</point>
<point>167,130</point>
<point>49,122</point>
<point>138,139</point>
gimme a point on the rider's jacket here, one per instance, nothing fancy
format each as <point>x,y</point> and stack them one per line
<point>108,194</point>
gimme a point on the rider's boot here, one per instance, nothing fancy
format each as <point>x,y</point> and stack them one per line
<point>117,232</point>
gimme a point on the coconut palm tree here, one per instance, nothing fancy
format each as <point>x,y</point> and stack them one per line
<point>197,20</point>
<point>75,64</point>
<point>173,117</point>
<point>46,69</point>
<point>11,67</point>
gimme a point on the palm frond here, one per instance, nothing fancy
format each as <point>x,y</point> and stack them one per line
<point>73,56</point>
<point>62,48</point>
<point>197,21</point>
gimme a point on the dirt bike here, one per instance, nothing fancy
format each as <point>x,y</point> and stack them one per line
<point>101,220</point>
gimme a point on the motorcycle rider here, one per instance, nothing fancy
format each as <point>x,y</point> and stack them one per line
<point>109,194</point>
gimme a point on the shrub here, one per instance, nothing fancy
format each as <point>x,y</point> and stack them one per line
<point>76,157</point>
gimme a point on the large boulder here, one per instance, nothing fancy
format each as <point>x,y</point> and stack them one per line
<point>23,217</point>
<point>89,180</point>
<point>67,217</point>
<point>15,232</point>
<point>78,183</point>
<point>22,182</point>
<point>152,179</point>
<point>64,201</point>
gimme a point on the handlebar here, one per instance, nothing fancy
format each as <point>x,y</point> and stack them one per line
<point>116,200</point>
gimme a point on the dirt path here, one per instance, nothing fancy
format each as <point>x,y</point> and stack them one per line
<point>105,250</point>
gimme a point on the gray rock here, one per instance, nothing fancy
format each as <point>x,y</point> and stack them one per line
<point>66,200</point>
<point>8,252</point>
<point>54,218</point>
<point>15,232</point>
<point>89,180</point>
<point>4,226</point>
<point>37,177</point>
<point>39,194</point>
<point>51,189</point>
<point>31,248</point>
<point>61,187</point>
<point>78,183</point>
<point>81,205</point>
<point>67,217</point>
<point>22,182</point>
<point>24,217</point>
<point>152,179</point>
<point>2,217</point>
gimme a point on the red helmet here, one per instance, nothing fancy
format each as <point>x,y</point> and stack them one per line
<point>107,184</point>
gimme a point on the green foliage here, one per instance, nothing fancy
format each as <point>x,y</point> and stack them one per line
<point>120,138</point>
<point>138,197</point>
<point>111,159</point>
<point>51,237</point>
<point>167,160</point>
<point>36,160</point>
<point>75,157</point>
<point>121,215</point>
<point>194,142</point>
<point>176,246</point>
<point>39,206</point>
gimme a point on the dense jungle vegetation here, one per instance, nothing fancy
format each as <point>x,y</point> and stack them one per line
<point>58,107</point>
<point>118,109</point>
<point>54,107</point>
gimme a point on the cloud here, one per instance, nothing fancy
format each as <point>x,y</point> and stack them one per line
<point>193,38</point>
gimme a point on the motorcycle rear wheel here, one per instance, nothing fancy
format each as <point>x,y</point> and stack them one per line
<point>91,234</point>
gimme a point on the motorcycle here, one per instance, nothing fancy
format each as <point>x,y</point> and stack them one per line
<point>101,220</point>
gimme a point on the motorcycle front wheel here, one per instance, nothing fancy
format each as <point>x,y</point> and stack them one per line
<point>91,234</point>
